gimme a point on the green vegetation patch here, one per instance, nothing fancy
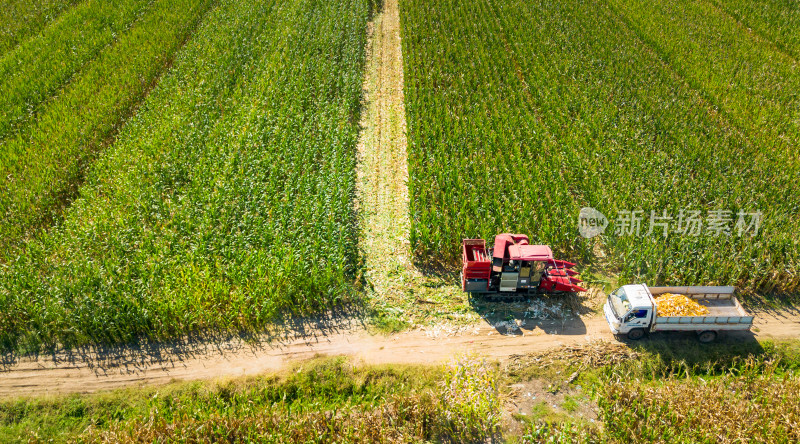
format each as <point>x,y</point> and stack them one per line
<point>20,19</point>
<point>675,391</point>
<point>36,69</point>
<point>43,165</point>
<point>777,21</point>
<point>750,81</point>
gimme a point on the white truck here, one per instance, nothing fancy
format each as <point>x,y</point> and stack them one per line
<point>631,311</point>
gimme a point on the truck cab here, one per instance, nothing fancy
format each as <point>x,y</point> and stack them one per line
<point>629,308</point>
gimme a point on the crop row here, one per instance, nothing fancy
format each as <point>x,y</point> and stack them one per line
<point>42,164</point>
<point>20,19</point>
<point>520,113</point>
<point>476,143</point>
<point>226,202</point>
<point>35,69</point>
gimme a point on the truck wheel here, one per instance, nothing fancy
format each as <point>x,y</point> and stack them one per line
<point>636,334</point>
<point>707,336</point>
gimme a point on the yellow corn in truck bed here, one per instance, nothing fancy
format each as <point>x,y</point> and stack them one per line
<point>671,304</point>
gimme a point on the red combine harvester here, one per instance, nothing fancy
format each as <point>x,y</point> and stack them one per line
<point>513,269</point>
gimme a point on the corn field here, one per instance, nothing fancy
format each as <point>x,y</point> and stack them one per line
<point>170,167</point>
<point>223,203</point>
<point>521,113</point>
<point>37,68</point>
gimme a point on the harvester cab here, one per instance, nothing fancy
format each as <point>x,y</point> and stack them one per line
<point>513,268</point>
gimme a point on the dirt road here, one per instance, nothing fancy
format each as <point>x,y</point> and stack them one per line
<point>90,373</point>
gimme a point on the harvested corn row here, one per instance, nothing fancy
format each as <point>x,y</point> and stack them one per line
<point>670,304</point>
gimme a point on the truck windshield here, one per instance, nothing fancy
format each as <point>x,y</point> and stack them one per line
<point>619,303</point>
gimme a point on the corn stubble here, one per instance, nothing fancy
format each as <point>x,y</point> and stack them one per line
<point>225,203</point>
<point>520,113</point>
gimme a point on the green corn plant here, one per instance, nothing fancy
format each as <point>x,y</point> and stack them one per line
<point>745,77</point>
<point>521,113</point>
<point>43,164</point>
<point>773,20</point>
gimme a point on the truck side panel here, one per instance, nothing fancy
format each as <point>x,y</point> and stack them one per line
<point>695,323</point>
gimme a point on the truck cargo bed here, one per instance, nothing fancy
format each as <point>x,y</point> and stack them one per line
<point>724,310</point>
<point>722,307</point>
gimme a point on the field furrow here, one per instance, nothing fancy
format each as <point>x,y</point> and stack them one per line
<point>36,69</point>
<point>41,167</point>
<point>225,203</point>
